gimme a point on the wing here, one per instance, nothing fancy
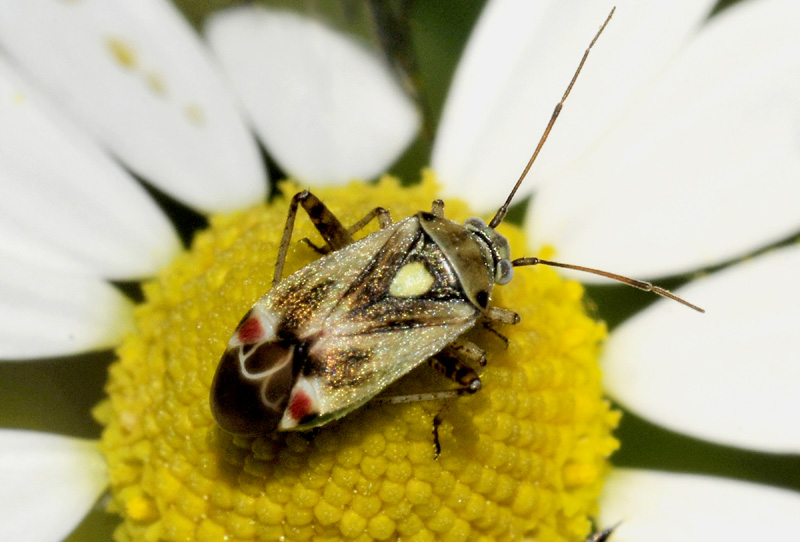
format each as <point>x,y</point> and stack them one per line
<point>403,305</point>
<point>332,335</point>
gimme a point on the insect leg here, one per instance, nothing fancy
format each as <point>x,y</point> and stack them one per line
<point>316,248</point>
<point>449,364</point>
<point>427,396</point>
<point>501,316</point>
<point>384,220</point>
<point>468,351</point>
<point>329,227</point>
<point>437,421</point>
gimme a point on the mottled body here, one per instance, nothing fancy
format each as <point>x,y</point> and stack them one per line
<point>328,338</point>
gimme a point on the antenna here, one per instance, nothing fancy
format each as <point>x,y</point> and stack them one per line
<point>638,284</point>
<point>501,212</point>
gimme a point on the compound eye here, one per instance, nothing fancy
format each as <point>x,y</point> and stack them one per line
<point>476,223</point>
<point>502,246</point>
<point>504,272</point>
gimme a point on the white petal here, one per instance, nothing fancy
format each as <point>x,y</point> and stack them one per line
<point>45,313</point>
<point>516,67</point>
<point>47,484</point>
<point>730,375</point>
<point>662,507</point>
<point>65,204</point>
<point>328,109</point>
<point>136,75</point>
<point>704,169</point>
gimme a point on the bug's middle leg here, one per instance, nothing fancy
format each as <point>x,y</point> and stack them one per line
<point>452,363</point>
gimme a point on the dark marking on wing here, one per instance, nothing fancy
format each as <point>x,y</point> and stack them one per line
<point>393,315</point>
<point>236,401</point>
<point>374,280</point>
<point>352,367</point>
<point>372,285</point>
<point>299,304</point>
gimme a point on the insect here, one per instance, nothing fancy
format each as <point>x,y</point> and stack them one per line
<point>328,338</point>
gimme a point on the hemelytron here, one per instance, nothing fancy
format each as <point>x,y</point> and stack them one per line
<point>328,338</point>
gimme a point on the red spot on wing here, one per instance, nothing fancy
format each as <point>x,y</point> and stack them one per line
<point>250,331</point>
<point>300,406</point>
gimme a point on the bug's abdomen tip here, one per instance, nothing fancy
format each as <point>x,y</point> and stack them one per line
<point>236,402</point>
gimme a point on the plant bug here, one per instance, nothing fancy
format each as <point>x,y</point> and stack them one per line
<point>328,338</point>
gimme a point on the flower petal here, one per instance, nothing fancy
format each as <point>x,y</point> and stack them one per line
<point>136,75</point>
<point>63,203</point>
<point>729,375</point>
<point>704,168</point>
<point>45,313</point>
<point>48,483</point>
<point>662,507</point>
<point>328,109</point>
<point>516,66</point>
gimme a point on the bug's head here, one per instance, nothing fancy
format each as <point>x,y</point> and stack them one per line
<point>497,247</point>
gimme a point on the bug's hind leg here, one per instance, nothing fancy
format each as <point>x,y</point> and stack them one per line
<point>328,226</point>
<point>384,220</point>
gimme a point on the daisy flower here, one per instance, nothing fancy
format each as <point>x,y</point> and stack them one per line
<point>650,171</point>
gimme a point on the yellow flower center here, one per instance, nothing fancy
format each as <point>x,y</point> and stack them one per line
<point>523,458</point>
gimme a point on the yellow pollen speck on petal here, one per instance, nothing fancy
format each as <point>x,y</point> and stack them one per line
<point>18,98</point>
<point>156,83</point>
<point>122,52</point>
<point>523,459</point>
<point>412,280</point>
<point>195,114</point>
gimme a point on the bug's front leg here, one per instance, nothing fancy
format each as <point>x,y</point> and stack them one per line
<point>501,316</point>
<point>497,315</point>
<point>328,226</point>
